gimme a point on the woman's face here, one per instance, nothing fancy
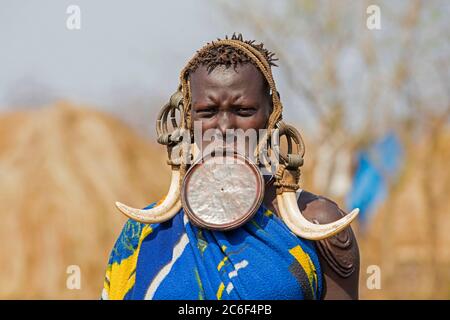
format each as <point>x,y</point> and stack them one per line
<point>230,98</point>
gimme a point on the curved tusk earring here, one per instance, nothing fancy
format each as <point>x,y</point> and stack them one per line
<point>162,212</point>
<point>287,176</point>
<point>171,204</point>
<point>294,219</point>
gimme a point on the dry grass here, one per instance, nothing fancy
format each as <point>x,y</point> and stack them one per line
<point>61,170</point>
<point>409,237</point>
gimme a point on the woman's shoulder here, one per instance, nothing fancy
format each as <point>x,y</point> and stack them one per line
<point>339,254</point>
<point>317,208</point>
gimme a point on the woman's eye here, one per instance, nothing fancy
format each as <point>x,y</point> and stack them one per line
<point>246,112</point>
<point>206,112</point>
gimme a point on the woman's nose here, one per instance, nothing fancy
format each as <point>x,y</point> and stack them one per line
<point>225,121</point>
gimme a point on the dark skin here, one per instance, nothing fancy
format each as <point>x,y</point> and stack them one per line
<point>239,99</point>
<point>226,99</point>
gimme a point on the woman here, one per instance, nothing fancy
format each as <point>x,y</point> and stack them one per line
<point>162,254</point>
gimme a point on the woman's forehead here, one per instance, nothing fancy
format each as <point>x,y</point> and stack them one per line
<point>244,76</point>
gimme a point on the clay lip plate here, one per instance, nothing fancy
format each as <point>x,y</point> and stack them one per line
<point>222,192</point>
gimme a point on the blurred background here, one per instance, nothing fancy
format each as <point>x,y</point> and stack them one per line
<point>77,127</point>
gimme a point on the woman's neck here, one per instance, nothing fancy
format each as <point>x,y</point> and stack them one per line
<point>270,194</point>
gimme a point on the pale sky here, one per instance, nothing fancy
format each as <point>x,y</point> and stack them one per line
<point>127,54</point>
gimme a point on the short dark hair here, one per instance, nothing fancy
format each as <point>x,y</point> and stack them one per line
<point>228,56</point>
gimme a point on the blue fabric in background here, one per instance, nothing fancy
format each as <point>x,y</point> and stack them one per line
<point>377,167</point>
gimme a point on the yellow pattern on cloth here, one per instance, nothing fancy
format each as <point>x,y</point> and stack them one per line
<point>123,273</point>
<point>307,265</point>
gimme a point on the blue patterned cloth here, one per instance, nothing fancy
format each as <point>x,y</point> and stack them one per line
<point>175,260</point>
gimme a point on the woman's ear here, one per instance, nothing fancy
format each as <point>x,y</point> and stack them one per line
<point>270,107</point>
<point>271,102</point>
<point>271,96</point>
